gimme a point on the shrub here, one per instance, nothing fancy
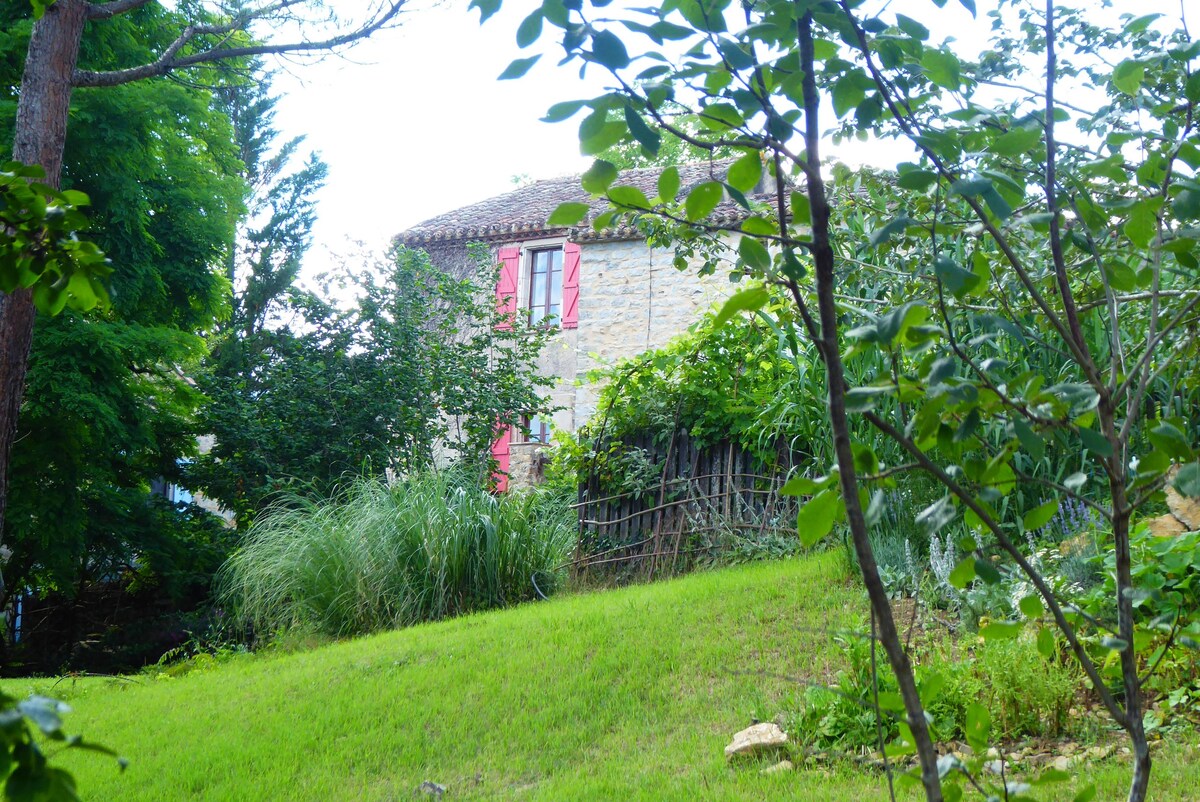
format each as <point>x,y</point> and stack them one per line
<point>380,556</point>
<point>1025,694</point>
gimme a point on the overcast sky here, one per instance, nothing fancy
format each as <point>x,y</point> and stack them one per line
<point>413,123</point>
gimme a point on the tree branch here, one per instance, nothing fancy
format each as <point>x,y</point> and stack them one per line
<point>1044,590</point>
<point>114,9</point>
<point>171,59</point>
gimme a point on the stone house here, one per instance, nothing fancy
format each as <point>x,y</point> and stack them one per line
<point>609,293</point>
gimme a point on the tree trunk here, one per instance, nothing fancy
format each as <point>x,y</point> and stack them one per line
<point>829,348</point>
<point>39,138</point>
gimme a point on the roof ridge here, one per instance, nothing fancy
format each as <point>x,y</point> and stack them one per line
<point>523,211</point>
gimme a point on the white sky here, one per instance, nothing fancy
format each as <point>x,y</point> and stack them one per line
<point>413,123</point>
<point>417,124</point>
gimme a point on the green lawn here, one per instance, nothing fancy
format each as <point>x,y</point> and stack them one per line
<point>618,695</point>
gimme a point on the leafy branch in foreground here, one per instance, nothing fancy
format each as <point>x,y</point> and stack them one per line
<point>40,251</point>
<point>23,761</point>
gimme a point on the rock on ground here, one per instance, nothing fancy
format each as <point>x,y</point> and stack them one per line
<point>756,739</point>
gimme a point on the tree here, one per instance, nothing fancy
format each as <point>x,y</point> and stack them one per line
<point>1079,249</point>
<point>188,37</point>
<point>420,366</point>
<point>110,409</point>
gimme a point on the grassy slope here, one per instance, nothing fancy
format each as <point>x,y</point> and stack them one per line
<point>629,694</point>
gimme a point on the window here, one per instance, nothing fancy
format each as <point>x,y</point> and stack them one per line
<point>539,429</point>
<point>543,279</point>
<point>545,284</point>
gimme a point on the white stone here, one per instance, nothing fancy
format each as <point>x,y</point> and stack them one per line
<point>756,739</point>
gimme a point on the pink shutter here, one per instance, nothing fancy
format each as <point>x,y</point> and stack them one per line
<point>500,453</point>
<point>570,302</point>
<point>506,287</point>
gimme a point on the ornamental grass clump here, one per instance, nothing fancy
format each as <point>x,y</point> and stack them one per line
<point>378,556</point>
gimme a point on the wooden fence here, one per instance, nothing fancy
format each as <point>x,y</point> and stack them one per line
<point>690,499</point>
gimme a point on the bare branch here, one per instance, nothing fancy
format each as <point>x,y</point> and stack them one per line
<point>114,9</point>
<point>171,58</point>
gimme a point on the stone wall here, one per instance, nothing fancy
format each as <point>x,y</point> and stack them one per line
<point>632,300</point>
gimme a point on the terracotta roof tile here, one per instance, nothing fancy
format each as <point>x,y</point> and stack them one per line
<point>523,212</point>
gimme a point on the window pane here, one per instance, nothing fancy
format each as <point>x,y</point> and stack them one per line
<point>556,279</point>
<point>537,296</point>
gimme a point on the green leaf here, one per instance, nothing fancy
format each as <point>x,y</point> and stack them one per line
<point>1000,630</point>
<point>599,177</point>
<point>1142,225</point>
<point>963,573</point>
<point>957,280</point>
<point>1191,89</point>
<point>530,29</point>
<point>568,214</point>
<point>1186,204</point>
<point>1045,643</point>
<point>893,227</point>
<point>745,173</point>
<point>83,297</point>
<point>1128,75</point>
<point>1187,481</point>
<point>518,68</point>
<point>1075,481</point>
<point>563,111</point>
<point>747,300</point>
<point>668,184</point>
<point>607,49</point>
<point>978,727</point>
<point>911,27</point>
<point>971,187</point>
<point>1031,606</point>
<point>801,209</point>
<point>759,226</point>
<point>1086,795</point>
<point>721,117</point>
<point>846,93</point>
<point>648,139</point>
<point>916,179</point>
<point>1039,516</point>
<point>942,68</point>
<point>1095,442</point>
<point>997,204</point>
<point>486,8</point>
<point>1016,142</point>
<point>816,517</point>
<point>1032,442</point>
<point>986,571</point>
<point>1115,644</point>
<point>804,486</point>
<point>76,198</point>
<point>702,200</point>
<point>754,254</point>
<point>626,196</point>
<point>1169,438</point>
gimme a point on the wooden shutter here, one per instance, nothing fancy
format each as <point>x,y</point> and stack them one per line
<point>570,302</point>
<point>500,453</point>
<point>506,287</point>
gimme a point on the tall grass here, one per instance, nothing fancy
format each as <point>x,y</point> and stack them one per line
<point>379,556</point>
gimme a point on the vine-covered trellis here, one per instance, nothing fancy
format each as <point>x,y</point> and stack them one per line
<point>690,495</point>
